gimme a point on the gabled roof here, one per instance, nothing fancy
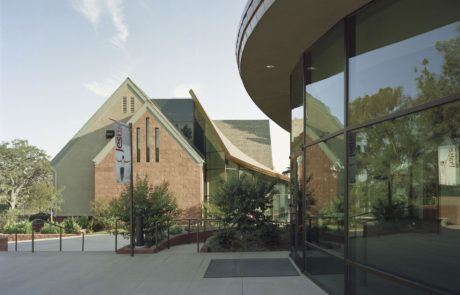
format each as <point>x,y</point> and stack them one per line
<point>153,109</point>
<point>232,152</point>
<point>251,136</point>
<point>93,120</point>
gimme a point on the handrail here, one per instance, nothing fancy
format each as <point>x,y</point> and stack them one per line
<point>40,221</point>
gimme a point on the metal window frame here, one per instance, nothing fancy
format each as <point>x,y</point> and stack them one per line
<point>349,51</point>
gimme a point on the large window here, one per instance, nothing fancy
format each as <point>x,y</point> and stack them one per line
<point>325,85</point>
<point>157,145</point>
<point>375,151</point>
<point>402,58</point>
<point>297,172</point>
<point>147,141</point>
<point>404,196</point>
<point>138,144</point>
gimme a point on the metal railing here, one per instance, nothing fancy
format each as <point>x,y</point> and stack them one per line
<point>40,222</point>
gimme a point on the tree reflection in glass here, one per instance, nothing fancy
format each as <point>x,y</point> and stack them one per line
<point>404,177</point>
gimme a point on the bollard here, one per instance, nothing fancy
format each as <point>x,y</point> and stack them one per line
<point>60,239</point>
<point>82,241</point>
<point>139,212</point>
<point>15,241</point>
<point>33,250</point>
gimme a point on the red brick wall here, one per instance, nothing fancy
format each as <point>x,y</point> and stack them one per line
<point>323,185</point>
<point>176,166</point>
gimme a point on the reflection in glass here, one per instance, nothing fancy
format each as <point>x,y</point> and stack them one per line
<point>326,269</point>
<point>325,85</point>
<point>363,283</point>
<point>297,142</point>
<point>403,66</point>
<point>404,196</point>
<point>325,194</point>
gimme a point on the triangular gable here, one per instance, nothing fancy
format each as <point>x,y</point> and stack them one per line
<point>166,124</point>
<point>232,152</point>
<point>128,83</point>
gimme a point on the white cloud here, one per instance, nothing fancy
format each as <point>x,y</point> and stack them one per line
<point>92,10</point>
<point>116,10</point>
<point>181,90</point>
<point>107,86</point>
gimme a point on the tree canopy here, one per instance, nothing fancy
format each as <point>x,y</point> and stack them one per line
<point>21,167</point>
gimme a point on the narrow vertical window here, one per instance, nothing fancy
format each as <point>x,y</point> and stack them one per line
<point>138,144</point>
<point>132,104</point>
<point>124,105</point>
<point>147,143</point>
<point>157,145</point>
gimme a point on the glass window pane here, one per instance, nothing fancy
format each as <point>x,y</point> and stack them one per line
<point>404,196</point>
<point>364,283</point>
<point>297,111</point>
<point>325,194</point>
<point>326,269</point>
<point>297,142</point>
<point>215,160</point>
<point>404,58</point>
<point>325,85</point>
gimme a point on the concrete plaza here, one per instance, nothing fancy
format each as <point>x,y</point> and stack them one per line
<point>176,271</point>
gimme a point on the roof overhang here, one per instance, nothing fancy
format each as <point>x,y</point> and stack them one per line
<point>280,36</point>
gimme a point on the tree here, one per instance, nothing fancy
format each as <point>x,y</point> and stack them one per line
<point>244,202</point>
<point>21,167</point>
<point>158,204</point>
<point>44,196</point>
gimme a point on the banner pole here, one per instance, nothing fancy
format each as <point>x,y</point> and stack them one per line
<point>131,208</point>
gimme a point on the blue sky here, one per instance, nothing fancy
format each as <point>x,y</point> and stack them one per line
<point>61,59</point>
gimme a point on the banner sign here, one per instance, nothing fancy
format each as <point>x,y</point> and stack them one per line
<point>122,153</point>
<point>449,165</point>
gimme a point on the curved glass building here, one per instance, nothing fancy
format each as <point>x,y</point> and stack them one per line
<point>370,92</point>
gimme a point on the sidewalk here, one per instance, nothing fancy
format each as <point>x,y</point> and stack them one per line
<point>177,271</point>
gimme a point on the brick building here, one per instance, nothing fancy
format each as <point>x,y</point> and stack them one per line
<point>173,140</point>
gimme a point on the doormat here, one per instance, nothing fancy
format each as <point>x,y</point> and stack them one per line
<point>261,267</point>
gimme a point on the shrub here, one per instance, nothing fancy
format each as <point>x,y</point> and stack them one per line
<point>71,226</point>
<point>227,239</point>
<point>157,202</point>
<point>383,211</point>
<point>175,230</point>
<point>41,215</point>
<point>103,216</point>
<point>269,235</point>
<point>243,201</point>
<point>8,217</point>
<point>49,229</point>
<point>21,227</point>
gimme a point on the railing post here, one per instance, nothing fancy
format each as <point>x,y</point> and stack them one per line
<point>189,231</point>
<point>33,250</point>
<point>15,241</point>
<point>168,233</point>
<point>198,237</point>
<point>60,239</point>
<point>156,236</point>
<point>116,235</point>
<point>82,241</point>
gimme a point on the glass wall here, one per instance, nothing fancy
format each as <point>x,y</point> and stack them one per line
<point>405,190</point>
<point>375,161</point>
<point>408,61</point>
<point>297,165</point>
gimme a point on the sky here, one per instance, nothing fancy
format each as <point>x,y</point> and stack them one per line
<point>61,59</point>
